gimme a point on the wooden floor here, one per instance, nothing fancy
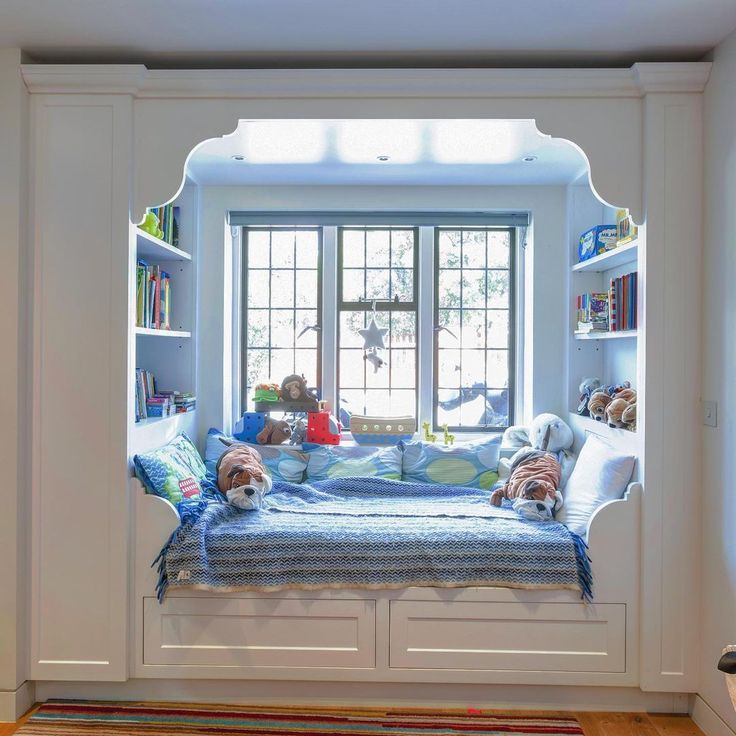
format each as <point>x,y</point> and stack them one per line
<point>594,724</point>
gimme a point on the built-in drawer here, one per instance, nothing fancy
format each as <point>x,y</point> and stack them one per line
<point>259,632</point>
<point>473,635</point>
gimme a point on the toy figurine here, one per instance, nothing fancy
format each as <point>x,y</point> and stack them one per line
<point>374,359</point>
<point>428,437</point>
<point>449,439</point>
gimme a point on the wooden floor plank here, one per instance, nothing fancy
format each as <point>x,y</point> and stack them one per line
<point>674,725</point>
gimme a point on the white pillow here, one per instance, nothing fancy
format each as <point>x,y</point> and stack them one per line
<point>601,474</point>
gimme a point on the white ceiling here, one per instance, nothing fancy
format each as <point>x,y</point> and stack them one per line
<point>365,32</point>
<point>437,152</point>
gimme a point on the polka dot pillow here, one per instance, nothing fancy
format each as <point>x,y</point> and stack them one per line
<point>471,464</point>
<point>336,461</point>
<point>281,461</point>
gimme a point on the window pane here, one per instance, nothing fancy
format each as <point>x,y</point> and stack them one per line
<point>402,248</point>
<point>258,328</point>
<point>259,249</point>
<point>353,248</point>
<point>377,283</point>
<point>377,248</point>
<point>402,284</point>
<point>474,249</point>
<point>307,249</point>
<point>282,301</point>
<point>282,288</point>
<point>403,368</point>
<point>353,284</point>
<point>350,323</point>
<point>283,243</point>
<point>499,247</point>
<point>258,288</point>
<point>306,288</point>
<point>352,368</point>
<point>474,303</point>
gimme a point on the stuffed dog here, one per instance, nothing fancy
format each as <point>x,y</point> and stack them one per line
<point>537,472</point>
<point>242,477</point>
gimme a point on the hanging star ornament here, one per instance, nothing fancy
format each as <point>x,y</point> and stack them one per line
<point>373,336</point>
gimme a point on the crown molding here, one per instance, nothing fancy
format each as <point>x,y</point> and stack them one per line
<point>672,78</point>
<point>138,81</point>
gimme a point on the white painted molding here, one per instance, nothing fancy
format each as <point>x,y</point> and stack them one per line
<point>537,697</point>
<point>137,80</point>
<point>14,703</point>
<point>709,722</point>
<point>682,77</point>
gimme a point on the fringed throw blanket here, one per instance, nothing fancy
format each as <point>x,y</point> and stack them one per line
<point>370,533</point>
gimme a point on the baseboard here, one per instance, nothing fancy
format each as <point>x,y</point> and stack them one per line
<point>14,703</point>
<point>379,694</point>
<point>709,722</point>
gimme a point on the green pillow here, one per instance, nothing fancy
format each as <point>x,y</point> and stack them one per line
<point>335,461</point>
<point>174,471</point>
<point>474,464</point>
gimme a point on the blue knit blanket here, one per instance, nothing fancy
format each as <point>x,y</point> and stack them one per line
<point>369,533</point>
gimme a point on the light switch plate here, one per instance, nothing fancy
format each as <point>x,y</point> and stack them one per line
<point>710,413</point>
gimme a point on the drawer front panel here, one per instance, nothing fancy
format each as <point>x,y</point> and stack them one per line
<point>548,637</point>
<point>259,632</point>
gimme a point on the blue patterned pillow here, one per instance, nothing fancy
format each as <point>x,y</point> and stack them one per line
<point>336,461</point>
<point>282,462</point>
<point>472,464</point>
<point>174,471</point>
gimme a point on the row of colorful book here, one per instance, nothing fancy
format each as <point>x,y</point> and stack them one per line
<point>150,402</point>
<point>622,298</point>
<point>592,312</point>
<point>611,311</point>
<point>168,222</point>
<point>153,297</point>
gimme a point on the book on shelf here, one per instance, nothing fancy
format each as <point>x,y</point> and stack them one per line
<point>168,222</point>
<point>153,297</point>
<point>622,294</point>
<point>592,312</point>
<point>151,402</point>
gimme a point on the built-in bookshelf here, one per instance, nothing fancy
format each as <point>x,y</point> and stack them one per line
<point>612,356</point>
<point>168,354</point>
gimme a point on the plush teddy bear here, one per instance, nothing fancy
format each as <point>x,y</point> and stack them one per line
<point>587,387</point>
<point>242,477</point>
<point>628,417</point>
<point>274,432</point>
<point>618,406</point>
<point>537,472</point>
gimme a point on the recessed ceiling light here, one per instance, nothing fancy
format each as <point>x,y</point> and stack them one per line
<point>383,158</point>
<point>529,159</point>
<point>238,157</point>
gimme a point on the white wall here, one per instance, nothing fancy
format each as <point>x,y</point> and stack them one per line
<point>547,205</point>
<point>13,404</point>
<point>718,623</point>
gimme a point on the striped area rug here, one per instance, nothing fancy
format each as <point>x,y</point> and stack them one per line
<point>72,718</point>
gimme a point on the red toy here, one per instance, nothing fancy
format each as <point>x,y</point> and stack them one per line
<point>323,428</point>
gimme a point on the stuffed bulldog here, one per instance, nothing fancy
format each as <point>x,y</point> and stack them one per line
<point>537,472</point>
<point>242,477</point>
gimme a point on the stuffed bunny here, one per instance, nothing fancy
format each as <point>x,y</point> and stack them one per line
<point>535,473</point>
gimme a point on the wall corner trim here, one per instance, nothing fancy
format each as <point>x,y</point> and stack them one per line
<point>709,722</point>
<point>14,703</point>
<point>673,78</point>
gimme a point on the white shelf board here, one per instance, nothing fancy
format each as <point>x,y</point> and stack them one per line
<point>162,333</point>
<point>618,335</point>
<point>150,247</point>
<point>149,434</point>
<point>611,259</point>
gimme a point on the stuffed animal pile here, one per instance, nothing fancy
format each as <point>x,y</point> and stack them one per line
<point>537,470</point>
<point>615,405</point>
<point>241,476</point>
